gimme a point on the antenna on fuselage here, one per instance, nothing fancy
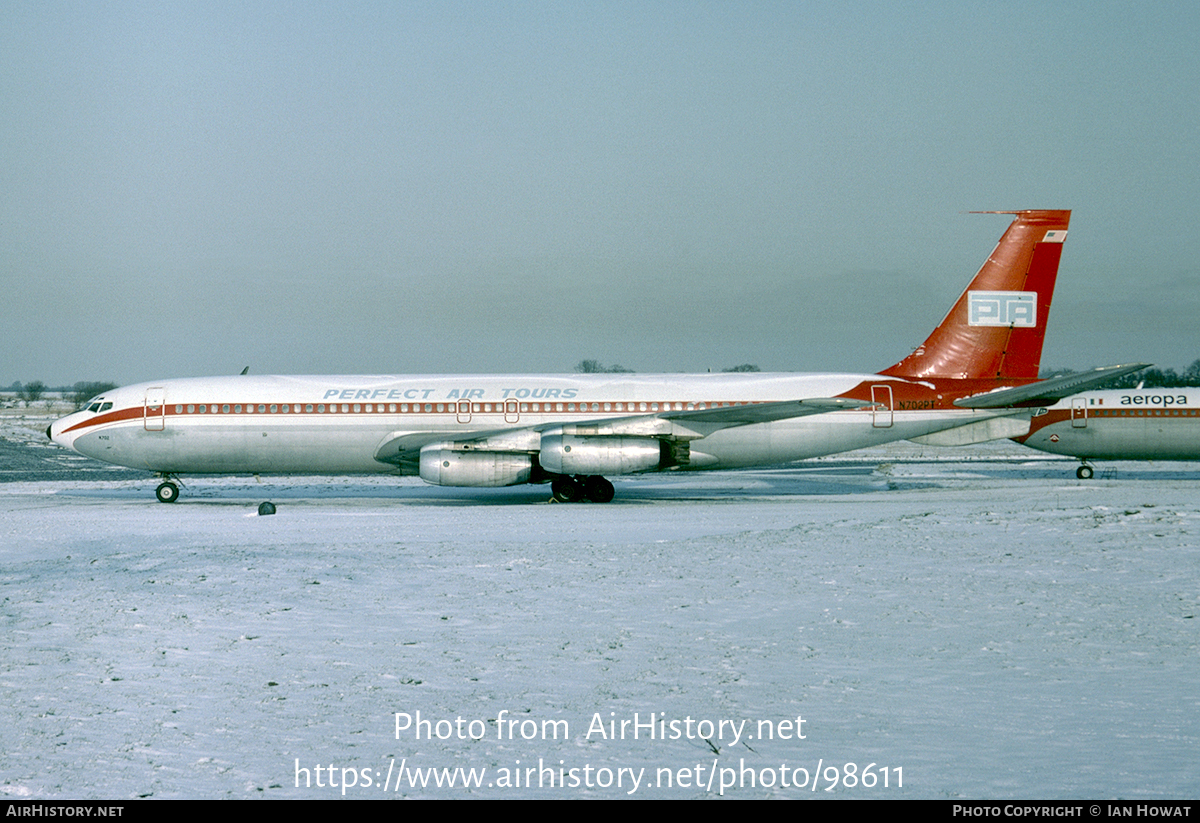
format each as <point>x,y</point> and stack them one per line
<point>246,370</point>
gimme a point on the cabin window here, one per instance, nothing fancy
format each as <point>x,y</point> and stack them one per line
<point>357,408</point>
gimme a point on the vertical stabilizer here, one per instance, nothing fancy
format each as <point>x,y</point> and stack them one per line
<point>997,327</point>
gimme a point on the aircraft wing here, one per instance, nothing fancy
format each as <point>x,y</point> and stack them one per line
<point>400,447</point>
<point>696,423</point>
<point>743,415</point>
<point>1047,392</point>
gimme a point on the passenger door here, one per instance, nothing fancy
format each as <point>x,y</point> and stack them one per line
<point>881,418</point>
<point>1079,412</point>
<point>154,413</point>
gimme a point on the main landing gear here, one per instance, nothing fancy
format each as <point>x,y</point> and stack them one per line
<point>574,489</point>
<point>167,491</point>
<point>1084,472</point>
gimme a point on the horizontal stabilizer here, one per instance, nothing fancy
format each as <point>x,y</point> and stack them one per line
<point>1047,392</point>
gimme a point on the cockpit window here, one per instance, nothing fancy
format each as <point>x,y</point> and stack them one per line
<point>99,405</point>
<point>105,406</point>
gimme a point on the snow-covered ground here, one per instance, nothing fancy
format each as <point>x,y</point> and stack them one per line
<point>974,623</point>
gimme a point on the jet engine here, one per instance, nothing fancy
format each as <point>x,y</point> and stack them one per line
<point>444,466</point>
<point>569,454</point>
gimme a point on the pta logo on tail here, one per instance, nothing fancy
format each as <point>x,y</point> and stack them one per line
<point>1017,309</point>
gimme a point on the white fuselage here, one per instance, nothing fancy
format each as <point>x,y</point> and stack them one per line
<point>344,424</point>
<point>1121,424</point>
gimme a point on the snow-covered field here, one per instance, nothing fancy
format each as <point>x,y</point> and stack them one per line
<point>974,628</point>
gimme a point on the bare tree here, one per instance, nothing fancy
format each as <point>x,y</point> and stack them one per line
<point>32,392</point>
<point>1191,375</point>
<point>596,367</point>
<point>744,367</point>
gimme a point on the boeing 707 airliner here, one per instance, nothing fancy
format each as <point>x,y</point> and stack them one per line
<point>974,379</point>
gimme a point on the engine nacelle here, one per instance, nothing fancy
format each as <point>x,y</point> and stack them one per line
<point>455,467</point>
<point>570,454</point>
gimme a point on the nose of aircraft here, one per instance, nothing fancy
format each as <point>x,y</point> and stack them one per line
<point>55,431</point>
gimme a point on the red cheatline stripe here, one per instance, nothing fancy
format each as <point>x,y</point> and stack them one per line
<point>448,407</point>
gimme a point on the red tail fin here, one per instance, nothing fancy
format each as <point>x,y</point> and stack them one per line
<point>997,327</point>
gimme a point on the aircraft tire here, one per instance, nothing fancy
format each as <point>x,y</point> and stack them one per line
<point>167,493</point>
<point>598,490</point>
<point>566,490</point>
<point>1084,472</point>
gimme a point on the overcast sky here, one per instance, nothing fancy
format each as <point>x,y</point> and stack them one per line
<point>403,187</point>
